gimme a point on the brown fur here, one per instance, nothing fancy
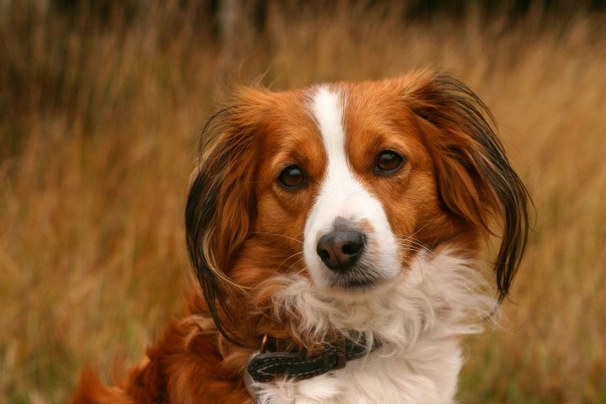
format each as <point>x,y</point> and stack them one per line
<point>243,228</point>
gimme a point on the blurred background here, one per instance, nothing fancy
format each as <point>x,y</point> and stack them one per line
<point>101,105</point>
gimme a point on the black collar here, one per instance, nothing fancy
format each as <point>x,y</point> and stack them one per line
<point>268,365</point>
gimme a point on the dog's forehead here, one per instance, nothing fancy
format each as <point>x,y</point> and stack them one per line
<point>362,117</point>
<point>326,119</point>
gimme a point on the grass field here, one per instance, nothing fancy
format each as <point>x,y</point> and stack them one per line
<point>99,118</point>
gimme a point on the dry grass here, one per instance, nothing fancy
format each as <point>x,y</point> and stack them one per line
<point>98,127</point>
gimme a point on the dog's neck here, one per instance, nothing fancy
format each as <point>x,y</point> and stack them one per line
<point>418,322</point>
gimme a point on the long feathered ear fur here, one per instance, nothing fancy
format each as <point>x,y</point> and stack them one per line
<point>220,209</point>
<point>475,179</point>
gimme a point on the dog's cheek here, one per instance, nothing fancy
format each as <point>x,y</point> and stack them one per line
<point>280,223</point>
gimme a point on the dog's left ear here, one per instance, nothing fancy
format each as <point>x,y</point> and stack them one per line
<point>475,179</point>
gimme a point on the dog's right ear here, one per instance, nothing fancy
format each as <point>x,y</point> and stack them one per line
<point>221,206</point>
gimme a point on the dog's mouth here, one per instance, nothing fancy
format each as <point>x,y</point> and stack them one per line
<point>355,284</point>
<point>359,280</point>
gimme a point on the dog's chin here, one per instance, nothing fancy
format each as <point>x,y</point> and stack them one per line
<point>354,287</point>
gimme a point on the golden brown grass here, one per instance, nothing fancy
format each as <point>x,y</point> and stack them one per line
<point>98,128</point>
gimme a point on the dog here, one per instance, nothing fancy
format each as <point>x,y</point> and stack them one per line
<point>338,234</point>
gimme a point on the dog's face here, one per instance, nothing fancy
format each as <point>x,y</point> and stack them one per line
<point>345,184</point>
<point>359,184</point>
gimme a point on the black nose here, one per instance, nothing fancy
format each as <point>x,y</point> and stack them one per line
<point>340,250</point>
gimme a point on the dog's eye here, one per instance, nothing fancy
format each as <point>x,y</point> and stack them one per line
<point>292,177</point>
<point>388,162</point>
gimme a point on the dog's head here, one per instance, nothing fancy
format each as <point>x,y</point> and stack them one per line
<point>346,184</point>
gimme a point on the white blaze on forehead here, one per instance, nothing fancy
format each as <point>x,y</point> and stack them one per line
<point>340,182</point>
<point>342,195</point>
<point>328,111</point>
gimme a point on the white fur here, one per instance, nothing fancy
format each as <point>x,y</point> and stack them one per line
<point>418,321</point>
<point>342,196</point>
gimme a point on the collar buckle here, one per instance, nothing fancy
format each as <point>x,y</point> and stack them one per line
<point>263,346</point>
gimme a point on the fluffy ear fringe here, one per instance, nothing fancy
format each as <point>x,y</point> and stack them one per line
<point>220,212</point>
<point>475,178</point>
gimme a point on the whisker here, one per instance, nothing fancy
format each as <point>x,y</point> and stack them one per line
<point>288,258</point>
<point>409,241</point>
<point>415,246</point>
<point>294,275</point>
<point>418,230</point>
<point>276,235</point>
